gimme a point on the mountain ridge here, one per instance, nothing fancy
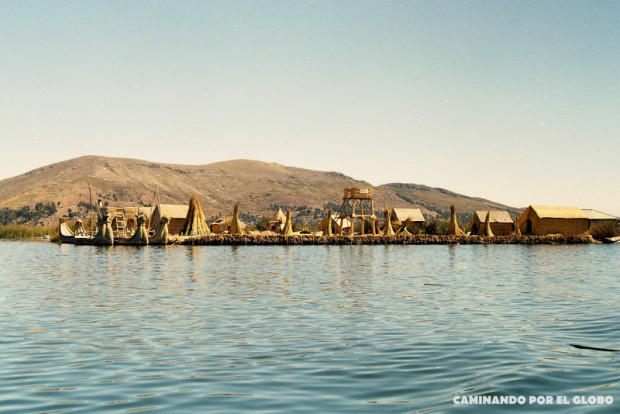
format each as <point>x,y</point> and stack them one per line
<point>258,186</point>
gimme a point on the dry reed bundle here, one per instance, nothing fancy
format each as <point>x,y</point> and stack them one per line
<point>195,222</point>
<point>288,227</point>
<point>453,227</point>
<point>328,225</point>
<point>402,230</point>
<point>235,225</point>
<point>387,229</point>
<point>485,230</point>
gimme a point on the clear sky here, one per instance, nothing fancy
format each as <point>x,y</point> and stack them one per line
<point>515,101</point>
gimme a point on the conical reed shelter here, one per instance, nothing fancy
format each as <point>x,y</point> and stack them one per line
<point>485,230</point>
<point>277,222</point>
<point>195,222</point>
<point>288,227</point>
<point>141,236</point>
<point>235,225</point>
<point>453,227</point>
<point>387,229</point>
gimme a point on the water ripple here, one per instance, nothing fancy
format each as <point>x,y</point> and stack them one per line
<point>304,329</point>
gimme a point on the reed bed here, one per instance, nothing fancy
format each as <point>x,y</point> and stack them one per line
<point>19,231</point>
<point>422,239</point>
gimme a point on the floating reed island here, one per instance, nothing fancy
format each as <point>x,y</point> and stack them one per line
<point>421,239</point>
<point>187,225</point>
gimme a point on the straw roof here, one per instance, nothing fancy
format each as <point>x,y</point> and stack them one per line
<point>172,211</point>
<point>598,215</point>
<point>495,216</point>
<point>558,212</point>
<point>279,217</point>
<point>412,214</point>
<point>195,222</point>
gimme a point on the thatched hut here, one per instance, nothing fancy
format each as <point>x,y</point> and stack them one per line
<point>542,220</point>
<point>414,215</point>
<point>222,225</point>
<point>277,222</point>
<point>195,222</point>
<point>176,213</point>
<point>500,221</point>
<point>599,218</point>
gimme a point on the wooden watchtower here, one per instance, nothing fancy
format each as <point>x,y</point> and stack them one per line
<point>361,206</point>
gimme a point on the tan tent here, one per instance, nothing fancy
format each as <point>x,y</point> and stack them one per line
<point>195,222</point>
<point>176,213</point>
<point>277,222</point>
<point>542,220</point>
<point>453,226</point>
<point>500,221</point>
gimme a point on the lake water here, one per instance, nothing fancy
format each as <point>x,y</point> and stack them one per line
<point>306,328</point>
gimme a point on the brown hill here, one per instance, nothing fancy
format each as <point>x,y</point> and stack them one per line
<point>257,186</point>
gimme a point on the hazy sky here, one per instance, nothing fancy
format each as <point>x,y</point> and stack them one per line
<point>515,101</point>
